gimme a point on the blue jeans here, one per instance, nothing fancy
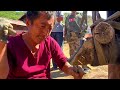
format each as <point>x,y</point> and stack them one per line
<point>81,43</point>
<point>58,36</point>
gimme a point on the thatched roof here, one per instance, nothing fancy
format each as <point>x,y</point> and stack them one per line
<point>22,18</point>
<point>17,22</point>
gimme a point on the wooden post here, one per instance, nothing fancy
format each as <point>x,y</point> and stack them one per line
<point>113,71</point>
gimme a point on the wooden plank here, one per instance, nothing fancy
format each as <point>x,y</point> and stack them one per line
<point>114,24</point>
<point>93,16</point>
<point>100,53</point>
<point>113,16</point>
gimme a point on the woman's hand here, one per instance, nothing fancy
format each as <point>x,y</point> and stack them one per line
<point>77,72</point>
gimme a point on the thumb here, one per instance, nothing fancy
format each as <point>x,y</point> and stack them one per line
<point>5,29</point>
<point>11,31</point>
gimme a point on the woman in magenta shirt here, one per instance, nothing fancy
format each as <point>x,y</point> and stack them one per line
<point>29,54</point>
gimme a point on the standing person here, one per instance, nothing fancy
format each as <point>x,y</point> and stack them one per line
<point>57,34</point>
<point>28,55</point>
<point>72,31</point>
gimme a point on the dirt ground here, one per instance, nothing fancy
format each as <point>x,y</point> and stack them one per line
<point>98,72</point>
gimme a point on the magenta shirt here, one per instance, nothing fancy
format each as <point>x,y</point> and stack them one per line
<point>24,66</point>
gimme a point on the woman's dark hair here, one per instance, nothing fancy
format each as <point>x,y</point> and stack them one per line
<point>32,15</point>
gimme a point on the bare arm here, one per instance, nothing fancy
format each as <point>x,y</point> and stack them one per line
<point>2,45</point>
<point>4,67</point>
<point>5,29</point>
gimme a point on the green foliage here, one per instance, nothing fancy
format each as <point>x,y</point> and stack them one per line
<point>89,20</point>
<point>11,14</point>
<point>65,15</point>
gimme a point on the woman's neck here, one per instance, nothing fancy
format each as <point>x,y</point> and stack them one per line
<point>30,43</point>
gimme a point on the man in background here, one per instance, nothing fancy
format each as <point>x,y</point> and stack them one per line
<point>57,33</point>
<point>72,31</point>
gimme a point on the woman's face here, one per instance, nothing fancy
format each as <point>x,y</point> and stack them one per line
<point>41,28</point>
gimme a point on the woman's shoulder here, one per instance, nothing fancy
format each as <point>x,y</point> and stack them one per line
<point>14,39</point>
<point>11,38</point>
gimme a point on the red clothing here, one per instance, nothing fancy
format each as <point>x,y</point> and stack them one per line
<point>22,63</point>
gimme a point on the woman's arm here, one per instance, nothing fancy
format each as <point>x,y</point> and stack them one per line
<point>5,29</point>
<point>4,67</point>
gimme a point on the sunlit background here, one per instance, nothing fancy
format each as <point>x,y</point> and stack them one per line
<point>102,13</point>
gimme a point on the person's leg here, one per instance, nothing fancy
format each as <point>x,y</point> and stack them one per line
<point>77,43</point>
<point>58,36</point>
<point>54,64</point>
<point>74,43</point>
<point>71,44</point>
<point>71,48</point>
<point>59,39</point>
<point>81,42</point>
